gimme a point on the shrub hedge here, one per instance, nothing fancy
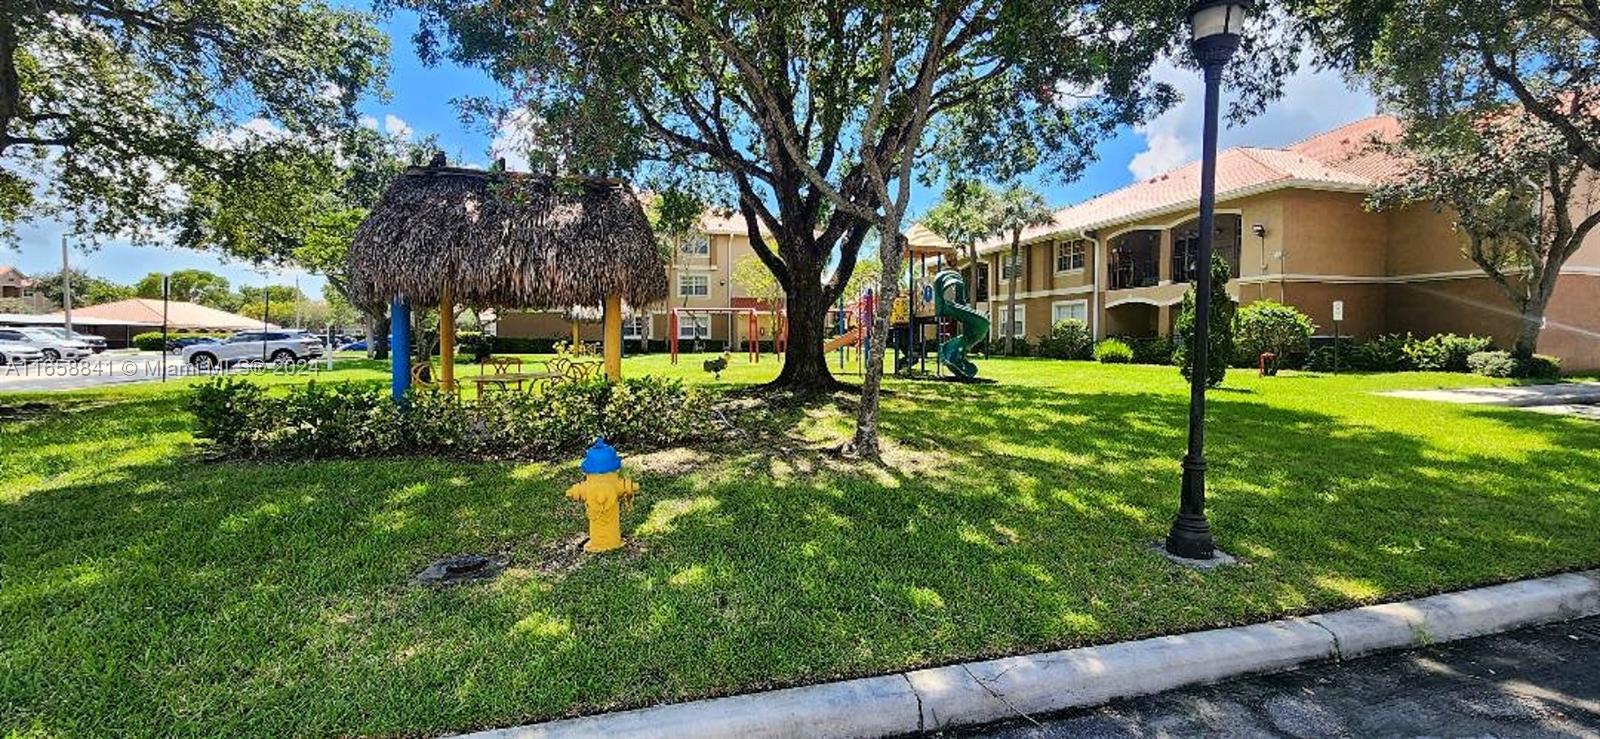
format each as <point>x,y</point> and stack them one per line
<point>1113,351</point>
<point>316,420</point>
<point>1068,339</point>
<point>150,341</point>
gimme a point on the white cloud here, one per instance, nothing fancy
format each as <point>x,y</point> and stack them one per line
<point>396,126</point>
<point>1312,102</point>
<point>514,138</point>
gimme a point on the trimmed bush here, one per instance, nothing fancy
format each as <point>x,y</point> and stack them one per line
<point>1113,351</point>
<point>1220,322</point>
<point>1541,365</point>
<point>1444,352</point>
<point>317,420</point>
<point>1493,364</point>
<point>1385,353</point>
<point>1270,326</point>
<point>1068,339</point>
<point>150,341</point>
<point>1153,350</point>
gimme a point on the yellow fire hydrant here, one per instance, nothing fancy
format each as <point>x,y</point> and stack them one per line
<point>603,492</point>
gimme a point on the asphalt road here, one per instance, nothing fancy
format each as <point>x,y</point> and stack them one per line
<point>1540,682</point>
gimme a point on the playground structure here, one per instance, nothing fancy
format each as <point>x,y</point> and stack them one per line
<point>928,315</point>
<point>752,328</point>
<point>446,236</point>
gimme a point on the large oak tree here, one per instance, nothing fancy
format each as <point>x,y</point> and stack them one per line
<point>813,116</point>
<point>114,113</point>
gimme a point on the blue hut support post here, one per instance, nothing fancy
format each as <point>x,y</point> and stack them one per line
<point>399,348</point>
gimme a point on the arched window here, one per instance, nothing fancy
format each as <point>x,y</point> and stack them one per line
<point>1134,261</point>
<point>1186,245</point>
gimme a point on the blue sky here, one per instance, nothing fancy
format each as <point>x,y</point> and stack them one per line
<point>419,102</point>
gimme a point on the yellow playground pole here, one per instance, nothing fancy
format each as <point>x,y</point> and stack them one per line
<point>447,340</point>
<point>613,338</point>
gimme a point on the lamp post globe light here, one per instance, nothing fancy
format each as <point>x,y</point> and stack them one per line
<point>1214,27</point>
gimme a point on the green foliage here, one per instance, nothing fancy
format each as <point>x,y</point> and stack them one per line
<point>150,341</point>
<point>1493,364</point>
<point>1113,351</point>
<point>1270,326</point>
<point>115,106</point>
<point>1068,339</point>
<point>189,285</point>
<point>1221,347</point>
<point>1153,349</point>
<point>1444,352</point>
<point>965,213</point>
<point>86,289</point>
<point>753,277</point>
<point>1542,366</point>
<point>319,420</point>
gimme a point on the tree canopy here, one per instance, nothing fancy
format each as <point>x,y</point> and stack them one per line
<point>802,112</point>
<point>161,121</point>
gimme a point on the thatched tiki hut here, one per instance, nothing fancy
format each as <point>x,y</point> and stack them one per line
<point>446,236</point>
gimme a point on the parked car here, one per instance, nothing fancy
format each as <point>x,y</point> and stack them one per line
<point>280,347</point>
<point>188,341</point>
<point>52,347</point>
<point>96,343</point>
<point>354,346</point>
<point>17,352</point>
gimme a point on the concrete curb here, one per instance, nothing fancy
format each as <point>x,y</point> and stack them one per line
<point>994,690</point>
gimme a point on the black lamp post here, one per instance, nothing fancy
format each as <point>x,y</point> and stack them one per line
<point>1214,27</point>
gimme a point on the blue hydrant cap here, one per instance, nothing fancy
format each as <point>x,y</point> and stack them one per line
<point>600,459</point>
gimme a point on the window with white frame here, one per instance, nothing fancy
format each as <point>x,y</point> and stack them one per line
<point>637,327</point>
<point>1069,256</point>
<point>1012,325</point>
<point>698,245</point>
<point>1010,265</point>
<point>1069,310</point>
<point>694,327</point>
<point>693,286</point>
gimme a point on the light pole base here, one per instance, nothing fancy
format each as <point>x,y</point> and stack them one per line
<point>1190,537</point>
<point>1218,559</point>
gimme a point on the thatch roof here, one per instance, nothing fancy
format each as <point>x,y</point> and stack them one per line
<point>506,240</point>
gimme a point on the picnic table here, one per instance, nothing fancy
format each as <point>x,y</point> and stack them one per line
<point>507,372</point>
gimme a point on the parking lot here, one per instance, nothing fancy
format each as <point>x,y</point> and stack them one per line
<point>109,368</point>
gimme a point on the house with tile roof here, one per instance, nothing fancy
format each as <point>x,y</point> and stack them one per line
<point>16,285</point>
<point>1293,226</point>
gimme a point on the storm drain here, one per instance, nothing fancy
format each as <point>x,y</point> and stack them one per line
<point>463,568</point>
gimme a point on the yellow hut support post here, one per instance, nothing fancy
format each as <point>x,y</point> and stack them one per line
<point>447,340</point>
<point>613,338</point>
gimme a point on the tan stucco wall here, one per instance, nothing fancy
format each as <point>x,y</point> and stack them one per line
<point>1330,233</point>
<point>1572,328</point>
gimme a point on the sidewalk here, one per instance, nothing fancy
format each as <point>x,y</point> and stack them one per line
<point>1543,681</point>
<point>1520,396</point>
<point>978,693</point>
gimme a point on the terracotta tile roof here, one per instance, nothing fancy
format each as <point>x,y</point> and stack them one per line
<point>179,314</point>
<point>1339,159</point>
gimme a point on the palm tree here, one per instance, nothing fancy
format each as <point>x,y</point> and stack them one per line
<point>1018,208</point>
<point>965,213</point>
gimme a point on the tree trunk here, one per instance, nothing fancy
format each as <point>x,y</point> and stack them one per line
<point>1529,323</point>
<point>1011,294</point>
<point>377,336</point>
<point>866,438</point>
<point>805,366</point>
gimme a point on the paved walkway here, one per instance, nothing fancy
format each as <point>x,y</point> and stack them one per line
<point>1522,396</point>
<point>1540,682</point>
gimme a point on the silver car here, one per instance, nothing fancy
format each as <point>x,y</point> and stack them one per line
<point>16,352</point>
<point>54,348</point>
<point>278,347</point>
<point>96,344</point>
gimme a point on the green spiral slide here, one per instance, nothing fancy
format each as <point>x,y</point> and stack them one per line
<point>950,301</point>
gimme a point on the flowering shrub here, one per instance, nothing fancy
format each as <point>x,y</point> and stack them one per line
<point>316,420</point>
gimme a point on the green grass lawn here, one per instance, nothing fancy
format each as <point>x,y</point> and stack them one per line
<point>145,591</point>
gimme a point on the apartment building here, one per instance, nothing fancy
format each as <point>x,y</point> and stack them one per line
<point>700,275</point>
<point>16,285</point>
<point>1292,225</point>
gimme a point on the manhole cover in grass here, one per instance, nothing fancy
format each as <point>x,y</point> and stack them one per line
<point>463,568</point>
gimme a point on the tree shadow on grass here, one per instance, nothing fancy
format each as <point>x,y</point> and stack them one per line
<point>162,595</point>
